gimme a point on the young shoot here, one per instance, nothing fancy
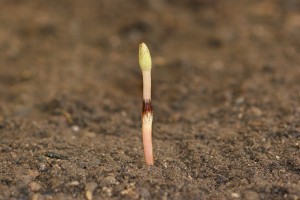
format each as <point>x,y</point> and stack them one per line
<point>147,113</point>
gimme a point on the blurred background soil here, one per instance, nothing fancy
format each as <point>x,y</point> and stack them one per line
<point>225,93</point>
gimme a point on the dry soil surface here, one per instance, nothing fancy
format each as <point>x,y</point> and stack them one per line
<point>225,93</point>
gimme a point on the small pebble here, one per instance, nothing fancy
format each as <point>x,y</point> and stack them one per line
<point>42,167</point>
<point>107,191</point>
<point>256,111</point>
<point>165,165</point>
<point>109,180</point>
<point>90,188</point>
<point>73,183</point>
<point>34,186</point>
<point>131,193</point>
<point>33,173</point>
<point>75,128</point>
<point>240,100</point>
<point>89,195</point>
<point>55,155</point>
<point>235,195</point>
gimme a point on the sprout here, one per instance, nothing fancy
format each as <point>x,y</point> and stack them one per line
<point>144,58</point>
<point>147,114</point>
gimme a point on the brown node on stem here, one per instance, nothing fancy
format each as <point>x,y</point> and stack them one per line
<point>147,107</point>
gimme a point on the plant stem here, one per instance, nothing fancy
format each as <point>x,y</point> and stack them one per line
<point>147,114</point>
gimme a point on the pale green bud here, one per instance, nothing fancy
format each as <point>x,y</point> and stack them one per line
<point>144,57</point>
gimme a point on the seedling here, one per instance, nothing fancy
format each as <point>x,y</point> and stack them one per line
<point>147,113</point>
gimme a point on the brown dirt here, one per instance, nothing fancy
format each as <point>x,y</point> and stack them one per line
<point>226,98</point>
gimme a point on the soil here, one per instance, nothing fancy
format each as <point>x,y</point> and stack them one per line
<point>225,93</point>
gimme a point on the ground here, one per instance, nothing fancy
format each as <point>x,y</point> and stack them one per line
<point>225,93</point>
